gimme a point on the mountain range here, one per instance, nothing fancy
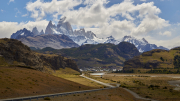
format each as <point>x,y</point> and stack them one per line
<point>142,44</point>
<point>75,38</point>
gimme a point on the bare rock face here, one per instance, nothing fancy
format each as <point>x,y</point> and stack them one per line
<point>35,31</point>
<point>64,27</point>
<point>58,61</point>
<point>42,32</point>
<point>49,28</point>
<point>50,40</point>
<point>17,53</point>
<point>87,34</point>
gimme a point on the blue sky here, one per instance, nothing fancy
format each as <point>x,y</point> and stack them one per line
<point>158,21</point>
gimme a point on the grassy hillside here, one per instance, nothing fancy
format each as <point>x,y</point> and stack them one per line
<point>14,53</point>
<point>98,55</point>
<point>154,59</point>
<point>18,82</point>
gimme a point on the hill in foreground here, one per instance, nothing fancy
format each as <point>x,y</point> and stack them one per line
<point>14,53</point>
<point>155,59</point>
<point>19,82</point>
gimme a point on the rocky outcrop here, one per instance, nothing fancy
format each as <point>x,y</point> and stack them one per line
<point>18,54</point>
<point>58,61</point>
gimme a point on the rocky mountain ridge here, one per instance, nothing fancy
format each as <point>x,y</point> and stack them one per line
<point>50,40</point>
<point>142,44</point>
<point>17,54</point>
<point>80,37</point>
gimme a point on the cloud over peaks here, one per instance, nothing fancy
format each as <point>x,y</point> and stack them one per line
<point>8,28</point>
<point>124,18</point>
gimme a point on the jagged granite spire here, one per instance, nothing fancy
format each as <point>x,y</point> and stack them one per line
<point>42,32</point>
<point>49,28</point>
<point>35,31</point>
<point>64,27</point>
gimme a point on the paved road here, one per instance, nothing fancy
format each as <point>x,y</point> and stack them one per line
<point>102,83</point>
<point>51,95</point>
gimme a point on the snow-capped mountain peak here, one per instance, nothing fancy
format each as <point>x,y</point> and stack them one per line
<point>110,37</point>
<point>141,44</point>
<point>22,33</point>
<point>134,41</point>
<point>112,40</point>
<point>82,37</point>
<point>145,40</point>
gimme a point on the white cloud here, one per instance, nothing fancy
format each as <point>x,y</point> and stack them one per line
<point>138,19</point>
<point>10,1</point>
<point>143,0</point>
<point>150,24</point>
<point>17,12</point>
<point>2,10</point>
<point>166,33</point>
<point>25,15</point>
<point>40,8</point>
<point>8,28</point>
<point>178,24</point>
<point>169,43</point>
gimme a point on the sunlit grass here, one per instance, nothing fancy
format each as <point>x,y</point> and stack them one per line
<point>145,86</point>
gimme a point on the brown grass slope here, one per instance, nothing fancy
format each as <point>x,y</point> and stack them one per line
<point>152,59</point>
<point>18,82</point>
<point>117,94</point>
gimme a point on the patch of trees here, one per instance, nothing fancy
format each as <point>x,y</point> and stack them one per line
<point>176,61</point>
<point>125,71</point>
<point>162,58</point>
<point>165,71</point>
